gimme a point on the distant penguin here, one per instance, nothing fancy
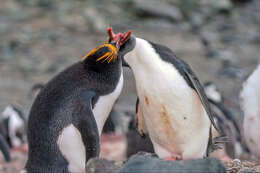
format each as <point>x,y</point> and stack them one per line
<point>14,123</point>
<point>68,114</point>
<point>212,92</point>
<point>226,122</point>
<point>250,104</point>
<point>35,89</point>
<point>173,107</point>
<point>118,120</point>
<point>12,130</point>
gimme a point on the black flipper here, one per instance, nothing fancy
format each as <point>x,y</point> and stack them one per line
<point>136,105</point>
<point>85,121</point>
<point>5,148</point>
<point>200,91</point>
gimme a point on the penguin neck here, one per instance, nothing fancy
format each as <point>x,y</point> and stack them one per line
<point>105,103</point>
<point>143,58</point>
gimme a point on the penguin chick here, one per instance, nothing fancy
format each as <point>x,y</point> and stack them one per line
<point>250,104</point>
<point>68,114</point>
<point>173,107</point>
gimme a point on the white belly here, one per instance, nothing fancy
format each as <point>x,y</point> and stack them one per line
<point>72,148</point>
<point>173,114</point>
<point>105,103</point>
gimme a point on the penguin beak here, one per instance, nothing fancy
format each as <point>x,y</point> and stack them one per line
<point>118,39</point>
<point>124,43</point>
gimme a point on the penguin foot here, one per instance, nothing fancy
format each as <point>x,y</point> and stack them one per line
<point>173,157</point>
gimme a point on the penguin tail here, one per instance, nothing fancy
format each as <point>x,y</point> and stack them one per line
<point>5,148</point>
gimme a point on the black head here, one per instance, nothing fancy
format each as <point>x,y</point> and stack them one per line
<point>112,52</point>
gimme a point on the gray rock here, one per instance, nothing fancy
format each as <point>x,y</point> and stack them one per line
<point>143,163</point>
<point>96,165</point>
<point>39,3</point>
<point>222,5</point>
<point>158,9</point>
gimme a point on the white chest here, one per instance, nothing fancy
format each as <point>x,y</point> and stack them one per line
<point>105,103</point>
<point>172,111</point>
<point>71,146</point>
<point>165,87</point>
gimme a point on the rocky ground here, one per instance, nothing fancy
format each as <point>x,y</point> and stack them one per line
<point>39,38</point>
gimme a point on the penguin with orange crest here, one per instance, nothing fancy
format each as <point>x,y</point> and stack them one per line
<point>67,116</point>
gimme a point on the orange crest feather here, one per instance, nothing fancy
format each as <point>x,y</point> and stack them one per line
<point>108,56</point>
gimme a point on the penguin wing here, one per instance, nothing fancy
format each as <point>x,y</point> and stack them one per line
<point>86,124</point>
<point>194,82</point>
<point>139,119</point>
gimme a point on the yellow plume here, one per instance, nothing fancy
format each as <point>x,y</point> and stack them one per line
<point>108,56</point>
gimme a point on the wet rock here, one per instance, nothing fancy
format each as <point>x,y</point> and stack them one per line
<point>39,3</point>
<point>222,5</point>
<point>96,165</point>
<point>157,9</point>
<point>45,3</point>
<point>187,7</point>
<point>144,162</point>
